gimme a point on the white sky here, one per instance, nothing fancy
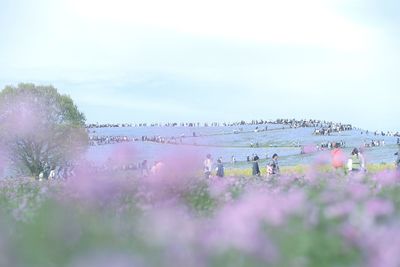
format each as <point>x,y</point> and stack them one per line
<point>205,60</point>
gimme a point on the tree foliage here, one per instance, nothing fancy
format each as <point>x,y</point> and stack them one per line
<point>39,128</point>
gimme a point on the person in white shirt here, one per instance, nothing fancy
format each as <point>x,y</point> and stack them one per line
<point>207,166</point>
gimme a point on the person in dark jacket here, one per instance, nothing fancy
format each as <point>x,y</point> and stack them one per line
<point>275,164</point>
<point>220,168</point>
<point>398,160</point>
<point>256,167</point>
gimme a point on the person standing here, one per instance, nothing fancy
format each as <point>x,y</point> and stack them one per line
<point>52,174</point>
<point>144,168</point>
<point>207,166</point>
<point>275,165</point>
<point>256,167</point>
<point>362,159</point>
<point>398,160</point>
<point>220,168</point>
<point>354,164</point>
<point>338,158</point>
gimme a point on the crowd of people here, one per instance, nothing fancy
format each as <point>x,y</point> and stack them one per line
<point>374,143</point>
<point>330,128</point>
<point>293,123</point>
<point>382,133</point>
<point>163,140</point>
<point>272,168</point>
<point>95,140</point>
<point>52,172</point>
<point>69,169</point>
<point>355,163</point>
<point>331,145</point>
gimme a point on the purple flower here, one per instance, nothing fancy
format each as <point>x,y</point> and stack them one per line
<point>382,246</point>
<point>379,207</point>
<point>386,178</point>
<point>106,259</point>
<point>340,209</point>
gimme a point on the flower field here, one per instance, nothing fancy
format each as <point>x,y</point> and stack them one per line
<point>315,218</point>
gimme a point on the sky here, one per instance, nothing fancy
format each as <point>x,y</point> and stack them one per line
<point>210,60</point>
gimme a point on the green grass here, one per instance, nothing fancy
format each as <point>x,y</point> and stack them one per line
<point>302,169</point>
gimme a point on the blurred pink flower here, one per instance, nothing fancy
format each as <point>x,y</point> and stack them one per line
<point>123,154</point>
<point>105,258</point>
<point>386,178</point>
<point>351,233</point>
<point>239,225</point>
<point>169,225</point>
<point>379,207</point>
<point>96,188</point>
<point>3,161</point>
<point>218,186</point>
<point>340,209</point>
<point>382,246</point>
<point>309,148</point>
<point>358,191</point>
<point>323,158</point>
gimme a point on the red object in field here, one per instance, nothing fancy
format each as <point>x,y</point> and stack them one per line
<point>337,158</point>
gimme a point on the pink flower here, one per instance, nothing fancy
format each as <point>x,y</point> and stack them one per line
<point>340,209</point>
<point>310,148</point>
<point>105,258</point>
<point>351,233</point>
<point>358,191</point>
<point>382,246</point>
<point>379,207</point>
<point>386,178</point>
<point>239,225</point>
<point>218,186</point>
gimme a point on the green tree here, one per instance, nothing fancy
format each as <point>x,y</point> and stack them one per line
<point>40,128</point>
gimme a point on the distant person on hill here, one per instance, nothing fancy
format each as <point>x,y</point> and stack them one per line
<point>220,168</point>
<point>233,160</point>
<point>208,166</point>
<point>256,167</point>
<point>274,165</point>
<point>398,160</point>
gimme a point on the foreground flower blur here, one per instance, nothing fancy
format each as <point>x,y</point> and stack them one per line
<point>105,219</point>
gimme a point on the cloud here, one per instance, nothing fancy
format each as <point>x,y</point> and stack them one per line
<point>308,22</point>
